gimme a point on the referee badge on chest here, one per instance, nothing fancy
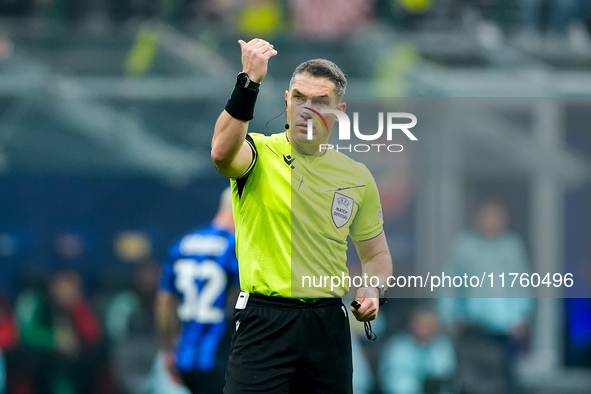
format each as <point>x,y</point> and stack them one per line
<point>342,208</point>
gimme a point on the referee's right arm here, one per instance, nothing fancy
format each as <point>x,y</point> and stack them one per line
<point>229,151</point>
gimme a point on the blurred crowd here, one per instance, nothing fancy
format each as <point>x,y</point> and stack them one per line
<point>55,339</point>
<point>59,337</point>
<point>532,24</point>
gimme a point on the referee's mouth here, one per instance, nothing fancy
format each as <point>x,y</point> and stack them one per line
<point>302,131</point>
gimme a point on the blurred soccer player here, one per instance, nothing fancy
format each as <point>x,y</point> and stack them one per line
<point>193,289</point>
<point>289,338</point>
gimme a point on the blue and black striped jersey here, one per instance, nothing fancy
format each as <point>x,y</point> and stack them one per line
<point>198,270</point>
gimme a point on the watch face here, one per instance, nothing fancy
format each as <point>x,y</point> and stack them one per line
<point>243,79</point>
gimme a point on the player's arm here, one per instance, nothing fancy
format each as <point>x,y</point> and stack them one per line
<point>167,324</point>
<point>375,261</point>
<point>229,151</point>
<point>167,321</point>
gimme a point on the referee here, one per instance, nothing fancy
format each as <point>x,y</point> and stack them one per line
<point>294,208</point>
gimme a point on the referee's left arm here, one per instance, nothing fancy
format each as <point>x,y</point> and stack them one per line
<point>376,261</point>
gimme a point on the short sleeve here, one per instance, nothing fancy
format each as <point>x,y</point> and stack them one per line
<point>256,142</point>
<point>368,222</point>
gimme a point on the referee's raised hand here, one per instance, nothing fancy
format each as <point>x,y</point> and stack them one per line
<point>369,298</point>
<point>255,58</point>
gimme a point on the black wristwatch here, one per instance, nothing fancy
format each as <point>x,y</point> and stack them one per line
<point>245,82</point>
<point>383,297</point>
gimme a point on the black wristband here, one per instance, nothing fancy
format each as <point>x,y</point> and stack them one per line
<point>242,101</point>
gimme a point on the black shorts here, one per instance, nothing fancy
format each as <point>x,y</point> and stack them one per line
<point>283,346</point>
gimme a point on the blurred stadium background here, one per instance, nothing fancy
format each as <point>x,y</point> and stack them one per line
<point>107,110</point>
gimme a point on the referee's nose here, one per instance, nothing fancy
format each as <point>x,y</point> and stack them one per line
<point>305,114</point>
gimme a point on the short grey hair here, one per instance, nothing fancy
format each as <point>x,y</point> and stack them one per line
<point>323,68</point>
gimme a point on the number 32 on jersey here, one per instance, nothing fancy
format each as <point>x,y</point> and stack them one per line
<point>201,284</point>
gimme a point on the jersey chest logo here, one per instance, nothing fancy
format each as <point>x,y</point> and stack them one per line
<point>342,209</point>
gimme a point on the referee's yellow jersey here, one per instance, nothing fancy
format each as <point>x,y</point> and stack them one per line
<point>293,214</point>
